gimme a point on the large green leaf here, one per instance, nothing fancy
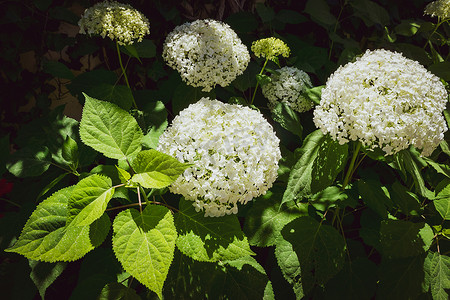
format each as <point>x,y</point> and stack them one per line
<point>401,278</point>
<point>209,239</point>
<point>287,118</point>
<point>371,12</point>
<point>374,196</point>
<point>117,291</point>
<point>408,203</point>
<point>319,10</point>
<point>320,250</point>
<point>289,264</point>
<point>29,161</point>
<point>109,129</point>
<point>437,274</point>
<point>357,280</point>
<point>404,239</point>
<point>442,202</point>
<point>89,199</point>
<point>117,94</point>
<point>266,218</point>
<point>44,274</point>
<point>238,279</point>
<point>321,159</point>
<point>144,244</point>
<point>46,238</point>
<point>155,169</point>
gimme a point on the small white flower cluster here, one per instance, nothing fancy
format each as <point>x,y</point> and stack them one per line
<point>287,85</point>
<point>115,20</point>
<point>384,100</point>
<point>206,53</point>
<point>439,8</point>
<point>234,152</point>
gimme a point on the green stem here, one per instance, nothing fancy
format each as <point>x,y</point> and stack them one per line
<point>351,166</point>
<point>144,194</point>
<point>335,28</point>
<point>435,28</point>
<point>139,199</point>
<point>257,83</point>
<point>125,74</point>
<point>10,202</point>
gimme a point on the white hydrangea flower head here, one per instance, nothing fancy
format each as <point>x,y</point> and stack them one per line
<point>206,53</point>
<point>384,100</point>
<point>287,85</point>
<point>439,8</point>
<point>115,20</point>
<point>234,152</point>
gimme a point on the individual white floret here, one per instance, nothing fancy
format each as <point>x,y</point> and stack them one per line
<point>206,53</point>
<point>115,20</point>
<point>384,100</point>
<point>234,152</point>
<point>287,85</point>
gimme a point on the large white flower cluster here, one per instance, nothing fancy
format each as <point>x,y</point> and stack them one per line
<point>206,53</point>
<point>287,85</point>
<point>234,152</point>
<point>384,100</point>
<point>115,20</point>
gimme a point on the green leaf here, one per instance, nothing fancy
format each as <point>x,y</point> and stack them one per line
<point>51,185</point>
<point>57,69</point>
<point>265,219</point>
<point>407,28</point>
<point>242,21</point>
<point>442,202</point>
<point>373,195</point>
<point>441,69</point>
<point>328,198</point>
<point>314,94</point>
<point>263,79</point>
<point>401,278</point>
<point>156,119</point>
<point>46,238</point>
<point>409,162</point>
<point>144,49</point>
<point>404,239</point>
<point>440,168</point>
<point>70,152</point>
<point>144,244</point>
<point>319,248</point>
<point>319,10</point>
<point>155,169</point>
<point>357,280</point>
<point>124,176</point>
<point>290,17</point>
<point>289,264</point>
<point>238,279</point>
<point>117,291</point>
<point>407,202</point>
<point>371,12</point>
<point>29,161</point>
<point>207,238</point>
<point>89,80</point>
<point>89,199</point>
<point>121,95</point>
<point>437,274</point>
<point>267,14</point>
<point>109,129</point>
<point>287,118</point>
<point>44,274</point>
<point>321,159</point>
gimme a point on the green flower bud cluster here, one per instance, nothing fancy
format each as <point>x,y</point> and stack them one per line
<point>270,48</point>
